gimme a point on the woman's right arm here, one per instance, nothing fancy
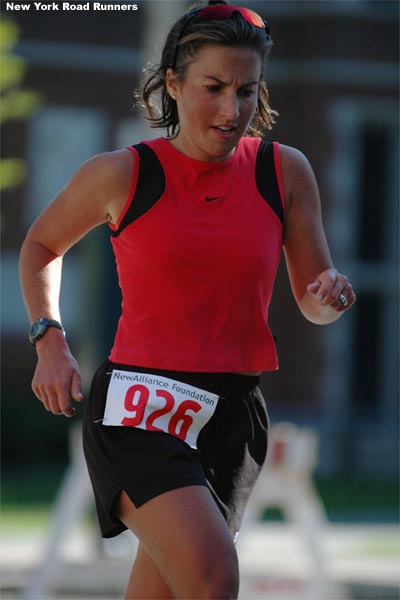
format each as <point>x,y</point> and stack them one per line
<point>96,194</point>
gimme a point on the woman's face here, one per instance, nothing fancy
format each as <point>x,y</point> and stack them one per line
<point>216,101</point>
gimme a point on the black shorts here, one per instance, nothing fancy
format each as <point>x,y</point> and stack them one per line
<point>231,448</point>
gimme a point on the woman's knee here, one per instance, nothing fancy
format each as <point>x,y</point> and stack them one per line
<point>221,586</point>
<point>218,575</point>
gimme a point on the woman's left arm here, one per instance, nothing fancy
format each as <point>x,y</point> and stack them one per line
<point>321,293</point>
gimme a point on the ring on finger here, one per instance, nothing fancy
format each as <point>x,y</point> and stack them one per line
<point>342,298</point>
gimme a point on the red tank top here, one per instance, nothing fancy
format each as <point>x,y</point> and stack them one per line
<point>197,247</point>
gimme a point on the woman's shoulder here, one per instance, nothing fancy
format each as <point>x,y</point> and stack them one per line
<point>113,165</point>
<point>292,158</point>
<point>297,176</point>
<point>111,172</point>
<point>105,180</point>
<point>296,168</point>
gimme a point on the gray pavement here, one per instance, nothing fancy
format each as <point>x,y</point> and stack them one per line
<point>361,562</point>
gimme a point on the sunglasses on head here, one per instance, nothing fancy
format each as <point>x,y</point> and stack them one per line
<point>218,12</point>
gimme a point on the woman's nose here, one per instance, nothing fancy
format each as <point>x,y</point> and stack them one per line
<point>230,107</point>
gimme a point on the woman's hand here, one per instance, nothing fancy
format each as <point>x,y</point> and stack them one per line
<point>332,289</point>
<point>57,378</point>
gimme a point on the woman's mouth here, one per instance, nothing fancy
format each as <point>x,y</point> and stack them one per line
<point>224,130</point>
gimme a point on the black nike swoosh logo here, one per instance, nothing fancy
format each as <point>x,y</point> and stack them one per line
<point>211,198</point>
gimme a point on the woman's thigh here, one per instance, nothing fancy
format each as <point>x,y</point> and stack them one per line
<point>186,536</point>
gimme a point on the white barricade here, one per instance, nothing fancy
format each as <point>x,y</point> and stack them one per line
<point>286,482</point>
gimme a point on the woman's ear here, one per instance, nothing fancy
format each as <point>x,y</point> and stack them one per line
<point>172,85</point>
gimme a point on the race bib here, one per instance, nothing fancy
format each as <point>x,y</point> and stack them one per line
<point>156,403</point>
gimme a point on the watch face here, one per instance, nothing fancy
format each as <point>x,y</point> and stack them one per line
<point>38,329</point>
<point>35,328</point>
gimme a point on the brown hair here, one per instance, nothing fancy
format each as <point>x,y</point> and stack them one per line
<point>233,31</point>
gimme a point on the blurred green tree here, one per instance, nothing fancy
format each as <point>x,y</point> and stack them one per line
<point>16,102</point>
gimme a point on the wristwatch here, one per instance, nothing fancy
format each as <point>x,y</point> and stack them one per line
<point>39,328</point>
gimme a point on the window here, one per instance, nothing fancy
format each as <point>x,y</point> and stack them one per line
<point>366,191</point>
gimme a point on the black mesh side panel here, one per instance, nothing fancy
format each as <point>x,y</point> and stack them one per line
<point>266,180</point>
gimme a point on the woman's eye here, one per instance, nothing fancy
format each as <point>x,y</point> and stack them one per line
<point>246,93</point>
<point>213,88</point>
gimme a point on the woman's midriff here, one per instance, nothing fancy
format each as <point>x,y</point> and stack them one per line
<point>252,373</point>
